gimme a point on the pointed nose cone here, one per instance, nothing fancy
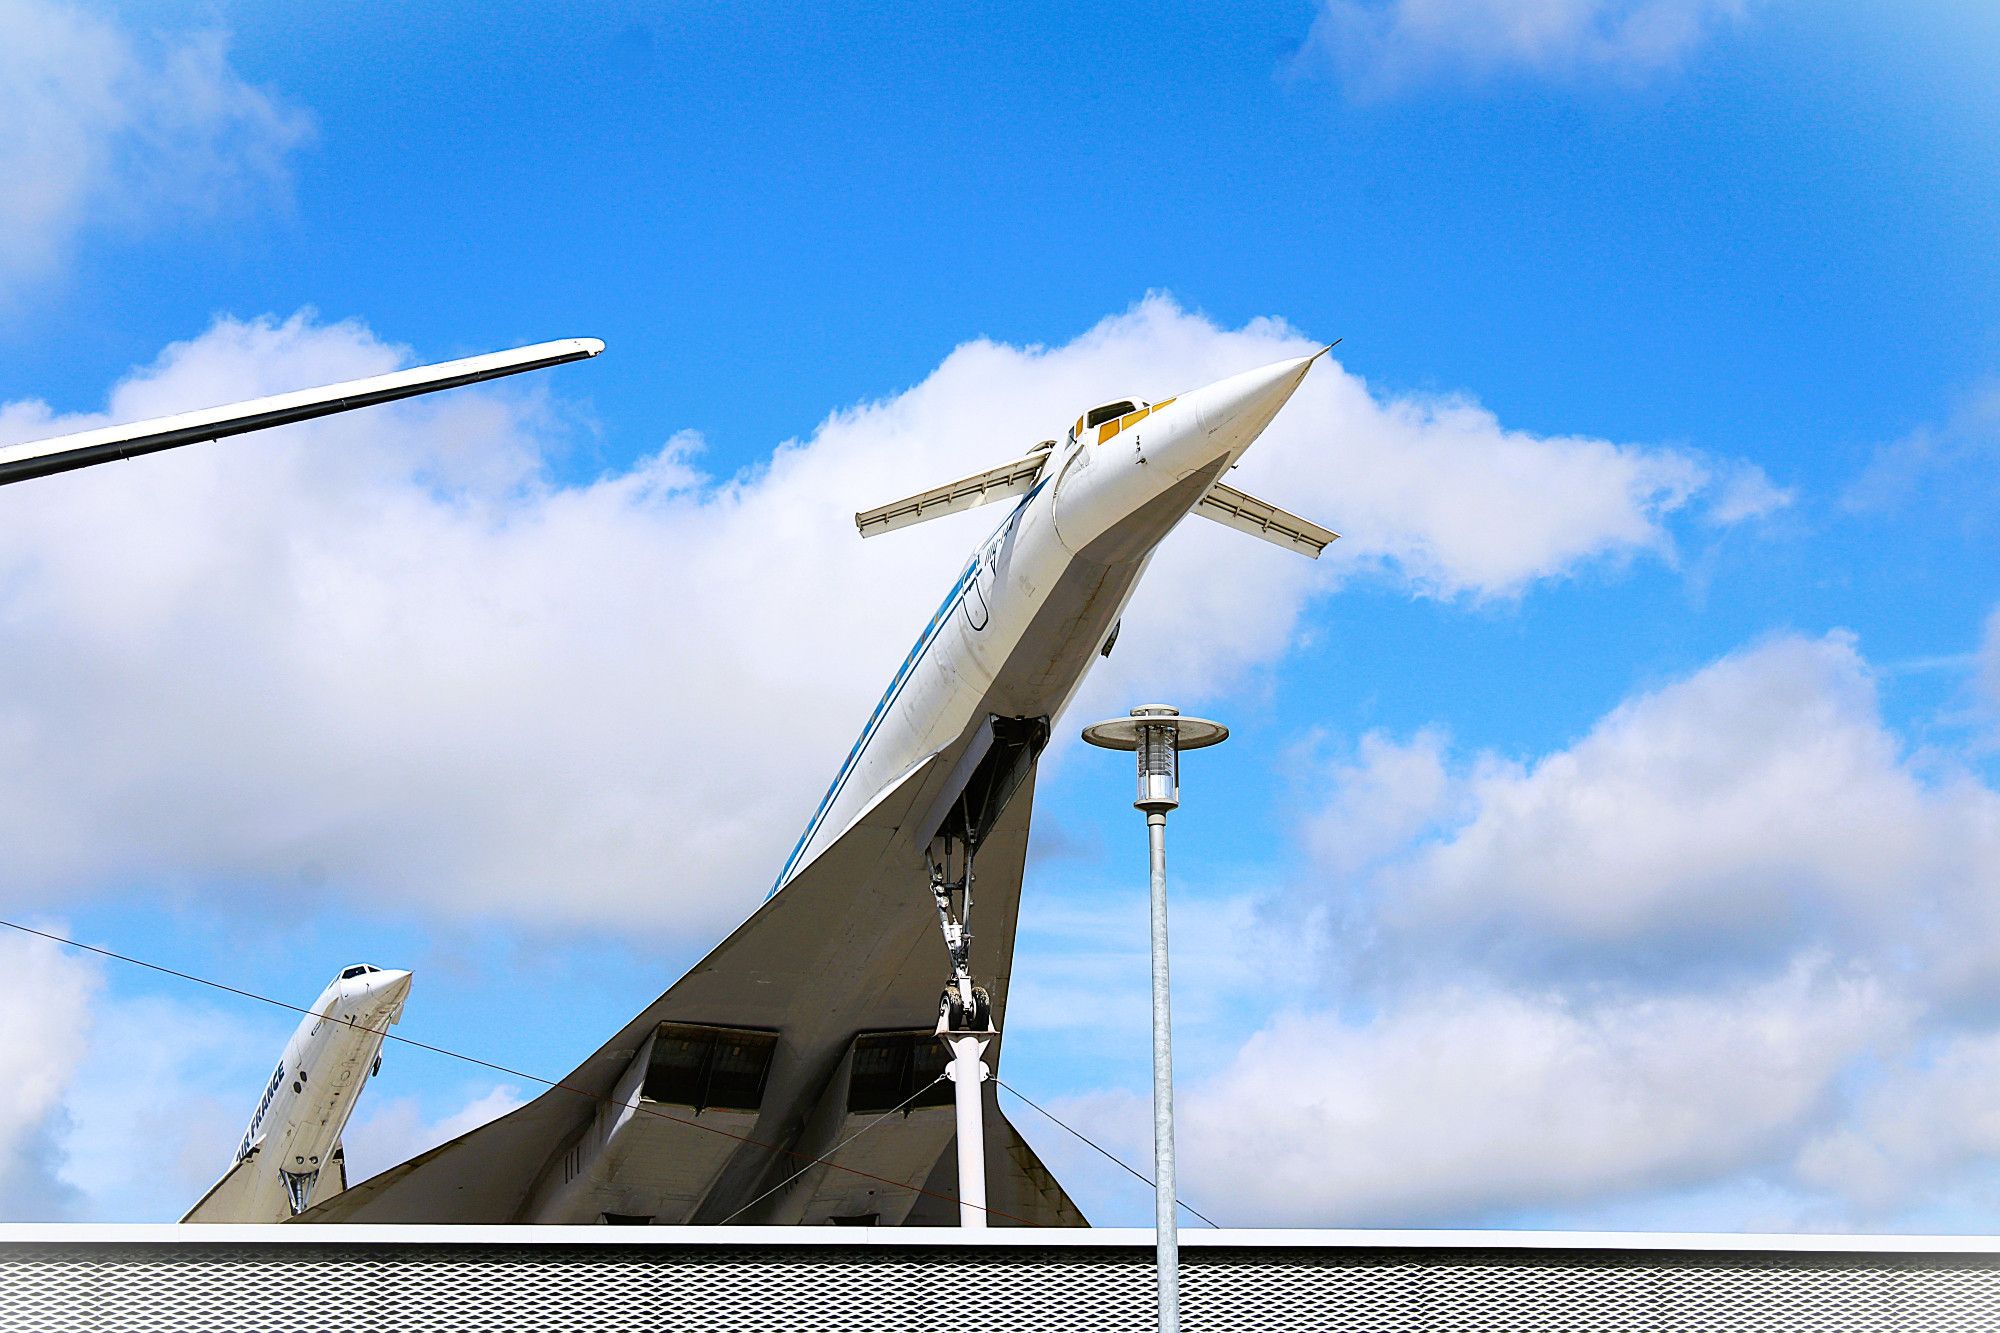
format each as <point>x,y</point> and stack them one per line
<point>386,990</point>
<point>1235,411</point>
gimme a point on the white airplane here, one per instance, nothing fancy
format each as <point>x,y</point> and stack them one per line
<point>291,1152</point>
<point>756,1088</point>
<point>795,1075</point>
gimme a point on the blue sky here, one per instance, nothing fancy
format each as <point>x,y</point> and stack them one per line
<point>1642,726</point>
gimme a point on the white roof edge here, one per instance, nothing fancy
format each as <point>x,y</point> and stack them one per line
<point>103,1233</point>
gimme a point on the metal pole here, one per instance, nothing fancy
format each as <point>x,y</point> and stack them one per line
<point>1158,734</point>
<point>1166,1225</point>
<point>968,1071</point>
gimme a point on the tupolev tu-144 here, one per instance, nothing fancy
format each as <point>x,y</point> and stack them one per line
<point>733,1097</point>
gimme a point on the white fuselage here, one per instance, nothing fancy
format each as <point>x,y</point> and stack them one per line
<point>1030,608</point>
<point>848,945</point>
<point>308,1098</point>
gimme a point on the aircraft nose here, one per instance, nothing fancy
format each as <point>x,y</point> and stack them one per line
<point>1235,411</point>
<point>386,990</point>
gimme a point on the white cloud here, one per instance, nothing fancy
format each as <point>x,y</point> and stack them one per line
<point>1381,47</point>
<point>151,1115</point>
<point>388,1130</point>
<point>99,124</point>
<point>1926,1131</point>
<point>1460,1105</point>
<point>43,1033</point>
<point>1747,493</point>
<point>388,654</point>
<point>128,1108</point>
<point>1758,804</point>
<point>1388,794</point>
<point>1736,936</point>
<point>1456,503</point>
<point>1949,466</point>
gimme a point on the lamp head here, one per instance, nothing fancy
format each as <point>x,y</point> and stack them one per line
<point>1157,734</point>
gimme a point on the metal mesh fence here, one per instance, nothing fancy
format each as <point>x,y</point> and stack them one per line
<point>417,1287</point>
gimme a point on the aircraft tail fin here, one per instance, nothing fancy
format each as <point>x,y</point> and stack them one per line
<point>1009,479</point>
<point>1260,518</point>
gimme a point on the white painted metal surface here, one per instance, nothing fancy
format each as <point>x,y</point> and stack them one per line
<point>995,483</point>
<point>1260,518</point>
<point>1091,484</point>
<point>290,1154</point>
<point>967,1073</point>
<point>39,458</point>
<point>833,957</point>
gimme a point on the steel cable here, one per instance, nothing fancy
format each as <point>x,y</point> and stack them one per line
<point>810,1160</point>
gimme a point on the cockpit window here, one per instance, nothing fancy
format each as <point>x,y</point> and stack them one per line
<point>348,974</point>
<point>1097,416</point>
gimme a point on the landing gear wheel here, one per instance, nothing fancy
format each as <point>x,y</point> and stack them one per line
<point>957,1019</point>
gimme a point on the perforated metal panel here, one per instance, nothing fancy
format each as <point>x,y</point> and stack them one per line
<point>418,1286</point>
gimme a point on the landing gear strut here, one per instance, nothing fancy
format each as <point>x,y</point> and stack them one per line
<point>964,1007</point>
<point>299,1188</point>
<point>965,1011</point>
<point>965,1022</point>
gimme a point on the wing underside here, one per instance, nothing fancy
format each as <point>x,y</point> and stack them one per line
<point>834,980</point>
<point>240,1196</point>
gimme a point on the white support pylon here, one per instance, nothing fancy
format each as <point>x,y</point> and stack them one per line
<point>967,1072</point>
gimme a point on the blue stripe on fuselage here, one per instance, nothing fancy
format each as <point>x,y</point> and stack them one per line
<point>903,673</point>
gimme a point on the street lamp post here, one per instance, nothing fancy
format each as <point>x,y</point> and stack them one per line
<point>1158,734</point>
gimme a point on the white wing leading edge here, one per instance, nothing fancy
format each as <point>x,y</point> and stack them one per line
<point>41,458</point>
